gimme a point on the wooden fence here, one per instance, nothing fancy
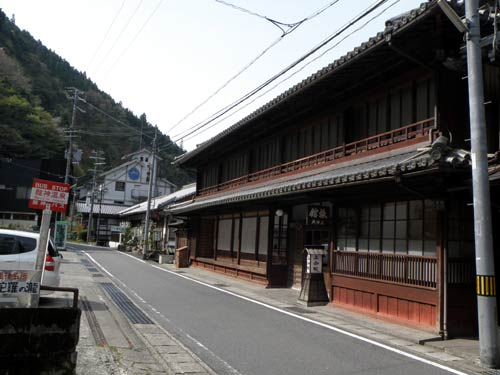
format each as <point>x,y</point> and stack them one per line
<point>404,269</point>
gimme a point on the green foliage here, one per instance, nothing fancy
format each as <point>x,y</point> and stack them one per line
<point>34,109</point>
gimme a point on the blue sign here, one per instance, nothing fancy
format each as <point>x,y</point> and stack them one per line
<point>134,174</point>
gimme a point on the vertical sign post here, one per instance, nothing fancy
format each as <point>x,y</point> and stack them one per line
<point>49,196</point>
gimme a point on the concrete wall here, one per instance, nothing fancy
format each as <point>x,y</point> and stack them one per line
<point>38,340</point>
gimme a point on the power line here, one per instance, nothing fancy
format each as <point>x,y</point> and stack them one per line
<point>112,117</point>
<point>254,60</point>
<point>229,107</point>
<point>105,35</point>
<point>295,72</point>
<point>119,35</point>
<point>133,39</point>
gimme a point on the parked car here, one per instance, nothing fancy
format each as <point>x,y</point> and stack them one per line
<point>18,250</point>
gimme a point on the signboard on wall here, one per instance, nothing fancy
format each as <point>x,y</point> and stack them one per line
<point>318,215</point>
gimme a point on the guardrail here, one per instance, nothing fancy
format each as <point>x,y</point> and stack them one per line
<point>63,289</point>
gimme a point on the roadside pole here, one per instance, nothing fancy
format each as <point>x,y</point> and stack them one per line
<point>152,175</point>
<point>43,242</point>
<point>98,160</point>
<point>485,269</point>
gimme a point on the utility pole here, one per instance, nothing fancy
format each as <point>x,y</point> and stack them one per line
<point>69,156</point>
<point>152,175</point>
<point>485,269</point>
<point>97,162</point>
<point>71,134</point>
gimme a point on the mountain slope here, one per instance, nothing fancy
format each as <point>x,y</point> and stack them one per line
<point>35,109</point>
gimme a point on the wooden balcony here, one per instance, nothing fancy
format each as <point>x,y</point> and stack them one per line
<point>376,143</point>
<point>402,269</point>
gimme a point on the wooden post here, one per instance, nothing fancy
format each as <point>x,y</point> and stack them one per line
<point>239,237</point>
<point>216,237</point>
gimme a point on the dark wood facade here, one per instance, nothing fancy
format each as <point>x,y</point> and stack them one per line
<point>357,144</point>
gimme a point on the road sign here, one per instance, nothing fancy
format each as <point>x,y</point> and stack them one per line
<point>49,193</point>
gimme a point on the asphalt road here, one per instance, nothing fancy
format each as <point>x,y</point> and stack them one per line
<point>235,336</point>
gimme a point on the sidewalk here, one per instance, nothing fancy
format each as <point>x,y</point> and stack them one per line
<point>115,336</point>
<point>462,354</point>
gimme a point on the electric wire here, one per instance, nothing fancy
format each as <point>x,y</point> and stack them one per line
<point>119,36</point>
<point>245,97</point>
<point>254,60</point>
<point>294,73</point>
<point>105,35</point>
<point>169,144</point>
<point>133,39</point>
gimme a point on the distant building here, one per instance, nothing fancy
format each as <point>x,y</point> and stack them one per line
<point>161,217</point>
<point>119,188</point>
<point>16,178</point>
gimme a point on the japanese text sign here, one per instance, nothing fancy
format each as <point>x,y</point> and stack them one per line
<point>49,193</point>
<point>318,215</point>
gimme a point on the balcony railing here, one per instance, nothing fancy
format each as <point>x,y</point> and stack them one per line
<point>417,130</point>
<point>403,269</point>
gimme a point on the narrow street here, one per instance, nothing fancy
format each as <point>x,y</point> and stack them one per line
<point>233,335</point>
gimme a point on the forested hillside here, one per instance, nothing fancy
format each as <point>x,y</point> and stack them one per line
<point>36,109</point>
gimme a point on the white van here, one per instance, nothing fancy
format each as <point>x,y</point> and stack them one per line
<point>18,250</point>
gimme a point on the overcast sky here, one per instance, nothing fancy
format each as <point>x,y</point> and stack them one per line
<point>165,57</point>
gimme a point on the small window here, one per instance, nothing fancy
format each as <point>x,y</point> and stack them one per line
<point>27,217</point>
<point>26,244</point>
<point>23,192</point>
<point>119,186</point>
<point>7,245</point>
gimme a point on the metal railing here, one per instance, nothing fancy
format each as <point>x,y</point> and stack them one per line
<point>412,131</point>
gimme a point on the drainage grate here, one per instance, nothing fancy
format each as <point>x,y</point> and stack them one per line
<point>135,315</point>
<point>95,328</point>
<point>299,310</point>
<point>97,275</point>
<point>92,269</point>
<point>86,262</point>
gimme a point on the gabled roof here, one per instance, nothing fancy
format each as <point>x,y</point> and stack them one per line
<point>393,26</point>
<point>141,151</point>
<point>161,201</point>
<point>118,167</point>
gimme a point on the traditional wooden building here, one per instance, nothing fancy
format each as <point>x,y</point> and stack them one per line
<point>367,159</point>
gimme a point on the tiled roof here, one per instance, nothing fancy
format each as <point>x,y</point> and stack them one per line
<point>106,209</point>
<point>321,178</point>
<point>392,26</point>
<point>159,202</point>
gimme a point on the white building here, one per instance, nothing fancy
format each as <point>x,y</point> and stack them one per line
<point>128,183</point>
<point>121,187</point>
